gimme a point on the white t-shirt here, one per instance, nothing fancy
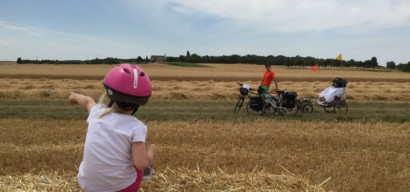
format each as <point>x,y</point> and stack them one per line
<point>107,164</point>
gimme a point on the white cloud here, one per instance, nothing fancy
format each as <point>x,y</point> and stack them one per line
<point>299,16</point>
<point>32,42</point>
<point>6,43</point>
<point>10,27</point>
<point>19,29</point>
<point>359,29</point>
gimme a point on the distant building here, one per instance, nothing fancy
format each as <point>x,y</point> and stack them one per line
<point>158,58</point>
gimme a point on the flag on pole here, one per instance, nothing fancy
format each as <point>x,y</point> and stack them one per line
<point>314,68</point>
<point>339,57</point>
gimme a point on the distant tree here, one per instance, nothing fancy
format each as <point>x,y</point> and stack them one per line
<point>373,62</point>
<point>391,65</point>
<point>367,64</point>
<point>360,64</point>
<point>404,67</point>
<point>327,62</point>
<point>320,62</point>
<point>139,59</point>
<point>19,61</point>
<point>310,61</point>
<point>194,58</point>
<point>335,63</point>
<point>188,54</point>
<point>280,60</point>
<point>289,62</point>
<point>351,63</point>
<point>299,62</point>
<point>270,59</point>
<point>182,58</point>
<point>235,59</point>
<point>146,59</point>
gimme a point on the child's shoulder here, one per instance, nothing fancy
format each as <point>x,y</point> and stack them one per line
<point>138,127</point>
<point>98,107</point>
<point>135,122</point>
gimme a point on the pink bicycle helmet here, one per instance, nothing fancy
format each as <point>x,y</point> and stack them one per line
<point>128,84</point>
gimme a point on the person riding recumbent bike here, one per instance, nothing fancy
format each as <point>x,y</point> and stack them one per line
<point>333,98</point>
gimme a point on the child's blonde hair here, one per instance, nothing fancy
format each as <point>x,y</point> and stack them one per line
<point>105,100</point>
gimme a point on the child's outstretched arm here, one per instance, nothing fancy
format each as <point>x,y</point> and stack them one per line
<point>82,100</point>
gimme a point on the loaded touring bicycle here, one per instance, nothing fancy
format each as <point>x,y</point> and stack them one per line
<point>255,102</point>
<point>261,103</point>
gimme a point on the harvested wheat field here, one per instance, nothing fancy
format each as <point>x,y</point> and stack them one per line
<point>202,145</point>
<point>216,72</point>
<point>173,180</point>
<point>26,88</point>
<point>222,155</point>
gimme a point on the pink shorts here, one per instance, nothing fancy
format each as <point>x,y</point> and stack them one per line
<point>134,186</point>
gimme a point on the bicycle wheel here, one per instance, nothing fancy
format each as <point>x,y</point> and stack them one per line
<point>271,105</point>
<point>259,111</point>
<point>341,108</point>
<point>307,108</point>
<point>279,108</point>
<point>291,111</point>
<point>239,104</point>
<point>329,109</point>
<point>288,110</point>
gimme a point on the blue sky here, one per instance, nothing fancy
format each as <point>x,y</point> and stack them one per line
<point>87,29</point>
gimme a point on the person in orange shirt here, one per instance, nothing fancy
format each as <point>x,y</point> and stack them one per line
<point>268,77</point>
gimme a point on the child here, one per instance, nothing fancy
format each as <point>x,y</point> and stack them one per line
<point>115,152</point>
<point>268,76</point>
<point>264,86</point>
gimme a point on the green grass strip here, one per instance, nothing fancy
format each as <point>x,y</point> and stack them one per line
<point>180,64</point>
<point>197,110</point>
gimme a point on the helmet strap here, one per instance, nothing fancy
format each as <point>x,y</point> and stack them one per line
<point>110,103</point>
<point>134,111</point>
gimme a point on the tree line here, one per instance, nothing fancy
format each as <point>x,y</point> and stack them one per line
<point>401,67</point>
<point>108,60</point>
<point>296,61</point>
<point>275,60</point>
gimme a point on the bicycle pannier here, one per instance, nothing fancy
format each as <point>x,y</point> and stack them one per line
<point>289,98</point>
<point>256,103</point>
